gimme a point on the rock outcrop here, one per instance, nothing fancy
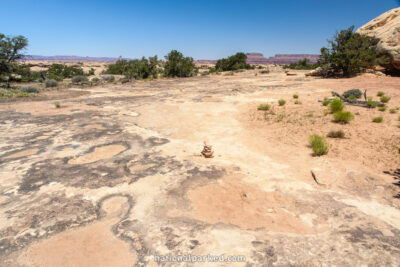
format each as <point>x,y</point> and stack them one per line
<point>386,27</point>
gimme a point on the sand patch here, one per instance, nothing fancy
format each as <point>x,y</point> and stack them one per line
<point>92,245</point>
<point>98,153</point>
<point>245,206</point>
<point>23,153</point>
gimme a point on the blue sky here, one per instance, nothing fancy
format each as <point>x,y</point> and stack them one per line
<point>202,29</point>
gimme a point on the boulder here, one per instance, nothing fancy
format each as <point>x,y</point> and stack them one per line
<point>386,27</point>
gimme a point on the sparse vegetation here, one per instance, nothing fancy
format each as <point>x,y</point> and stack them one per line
<point>264,71</point>
<point>57,104</point>
<point>355,93</point>
<point>343,116</point>
<point>336,105</point>
<point>59,72</point>
<point>264,107</point>
<point>302,64</point>
<point>51,83</point>
<point>371,104</point>
<point>383,108</point>
<point>91,72</point>
<point>281,102</point>
<point>297,102</point>
<point>393,110</point>
<point>326,102</point>
<point>29,89</point>
<point>318,145</point>
<point>377,119</point>
<point>385,99</point>
<point>108,78</point>
<point>295,96</point>
<point>79,79</point>
<point>336,134</point>
<point>380,93</point>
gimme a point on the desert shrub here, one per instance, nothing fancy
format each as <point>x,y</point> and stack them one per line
<point>392,110</point>
<point>95,80</point>
<point>336,105</point>
<point>326,102</point>
<point>59,72</point>
<point>380,93</point>
<point>302,64</point>
<point>135,69</point>
<point>51,83</point>
<point>177,65</point>
<point>264,71</point>
<point>295,96</point>
<point>29,89</point>
<point>352,97</point>
<point>371,104</point>
<point>385,99</point>
<point>264,107</point>
<point>383,108</point>
<point>204,73</point>
<point>336,134</point>
<point>343,116</point>
<point>377,119</point>
<point>124,80</point>
<point>350,53</point>
<point>235,62</point>
<point>318,145</point>
<point>109,78</point>
<point>356,93</point>
<point>281,102</point>
<point>79,79</point>
<point>297,102</point>
<point>57,104</point>
<point>91,72</point>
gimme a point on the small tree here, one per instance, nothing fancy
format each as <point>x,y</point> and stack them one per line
<point>350,53</point>
<point>235,62</point>
<point>177,65</point>
<point>11,48</point>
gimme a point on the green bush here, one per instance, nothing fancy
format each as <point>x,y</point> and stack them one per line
<point>264,71</point>
<point>385,99</point>
<point>350,53</point>
<point>326,102</point>
<point>264,107</point>
<point>336,134</point>
<point>318,145</point>
<point>51,83</point>
<point>235,62</point>
<point>295,96</point>
<point>377,119</point>
<point>57,104</point>
<point>392,110</point>
<point>205,73</point>
<point>79,79</point>
<point>336,105</point>
<point>135,69</point>
<point>356,93</point>
<point>343,116</point>
<point>91,72</point>
<point>109,78</point>
<point>382,108</point>
<point>371,103</point>
<point>297,102</point>
<point>281,102</point>
<point>352,97</point>
<point>124,80</point>
<point>302,64</point>
<point>59,72</point>
<point>177,65</point>
<point>29,89</point>
<point>95,80</point>
<point>380,93</point>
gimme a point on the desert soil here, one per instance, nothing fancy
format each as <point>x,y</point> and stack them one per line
<point>115,176</point>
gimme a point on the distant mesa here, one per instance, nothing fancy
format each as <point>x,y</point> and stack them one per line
<point>69,58</point>
<point>259,59</point>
